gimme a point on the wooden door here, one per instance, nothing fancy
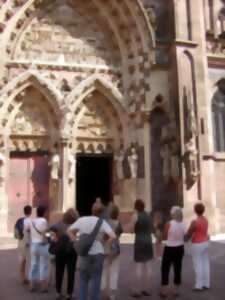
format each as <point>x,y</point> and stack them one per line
<point>28,184</point>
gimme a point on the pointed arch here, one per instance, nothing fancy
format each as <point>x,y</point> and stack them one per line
<point>23,81</point>
<point>96,82</point>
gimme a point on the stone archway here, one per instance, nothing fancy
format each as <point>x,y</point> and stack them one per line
<point>30,120</point>
<point>98,121</point>
<point>104,53</point>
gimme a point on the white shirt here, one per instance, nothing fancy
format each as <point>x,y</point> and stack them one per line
<point>26,233</point>
<point>85,225</point>
<point>176,232</point>
<point>41,224</point>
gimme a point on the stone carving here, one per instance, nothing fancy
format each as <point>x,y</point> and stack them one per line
<point>133,162</point>
<point>119,158</point>
<point>65,86</point>
<point>215,47</point>
<point>55,166</point>
<point>30,120</point>
<point>62,36</point>
<point>71,167</point>
<point>191,117</point>
<point>191,160</point>
<point>190,139</point>
<point>150,10</point>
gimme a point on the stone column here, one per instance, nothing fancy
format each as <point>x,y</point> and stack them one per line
<point>68,183</point>
<point>147,149</point>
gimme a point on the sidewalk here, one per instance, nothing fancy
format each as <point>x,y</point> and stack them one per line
<point>12,290</point>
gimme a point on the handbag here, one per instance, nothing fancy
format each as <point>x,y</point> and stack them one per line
<point>115,248</point>
<point>86,240</point>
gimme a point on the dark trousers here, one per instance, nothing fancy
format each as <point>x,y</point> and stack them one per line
<point>172,256</point>
<point>70,263</point>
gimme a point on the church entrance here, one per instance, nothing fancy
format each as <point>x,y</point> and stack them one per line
<point>94,179</point>
<point>28,183</point>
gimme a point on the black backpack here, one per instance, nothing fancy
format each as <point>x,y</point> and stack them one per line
<point>18,229</point>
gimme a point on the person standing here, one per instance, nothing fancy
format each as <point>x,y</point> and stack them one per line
<point>23,242</point>
<point>65,254</point>
<point>198,232</point>
<point>174,234</point>
<point>112,261</point>
<point>143,250</point>
<point>91,265</point>
<point>39,269</point>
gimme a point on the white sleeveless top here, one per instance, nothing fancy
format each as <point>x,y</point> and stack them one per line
<point>176,232</point>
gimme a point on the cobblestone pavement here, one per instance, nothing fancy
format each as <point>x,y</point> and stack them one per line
<point>10,289</point>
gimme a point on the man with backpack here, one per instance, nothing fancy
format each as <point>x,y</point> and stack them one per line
<point>92,231</point>
<point>23,242</point>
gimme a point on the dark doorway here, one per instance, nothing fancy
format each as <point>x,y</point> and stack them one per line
<point>94,179</point>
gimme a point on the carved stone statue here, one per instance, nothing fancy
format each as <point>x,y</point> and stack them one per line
<point>191,160</point>
<point>55,165</point>
<point>152,15</point>
<point>71,167</point>
<point>191,151</point>
<point>191,117</point>
<point>65,86</point>
<point>119,158</point>
<point>133,162</point>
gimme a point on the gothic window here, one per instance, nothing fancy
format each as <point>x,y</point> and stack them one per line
<point>218,115</point>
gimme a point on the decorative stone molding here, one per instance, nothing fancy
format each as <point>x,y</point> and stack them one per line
<point>129,41</point>
<point>34,78</point>
<point>94,82</point>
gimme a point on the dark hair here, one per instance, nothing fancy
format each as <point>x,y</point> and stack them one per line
<point>70,216</point>
<point>27,210</point>
<point>41,210</point>
<point>114,212</point>
<point>97,209</point>
<point>139,205</point>
<point>199,209</point>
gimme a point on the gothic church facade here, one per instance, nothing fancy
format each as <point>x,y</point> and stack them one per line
<point>112,99</point>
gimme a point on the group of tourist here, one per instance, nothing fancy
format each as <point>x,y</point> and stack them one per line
<point>95,240</point>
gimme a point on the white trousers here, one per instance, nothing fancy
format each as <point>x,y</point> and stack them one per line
<point>110,274</point>
<point>200,256</point>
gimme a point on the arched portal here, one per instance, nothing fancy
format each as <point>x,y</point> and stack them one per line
<point>98,130</point>
<point>78,76</point>
<point>32,127</point>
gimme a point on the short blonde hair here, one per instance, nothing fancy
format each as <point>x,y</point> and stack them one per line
<point>176,213</point>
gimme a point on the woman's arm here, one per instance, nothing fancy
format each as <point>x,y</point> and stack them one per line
<point>165,231</point>
<point>129,227</point>
<point>72,233</point>
<point>190,231</point>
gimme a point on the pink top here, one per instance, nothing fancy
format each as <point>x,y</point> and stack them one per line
<point>200,234</point>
